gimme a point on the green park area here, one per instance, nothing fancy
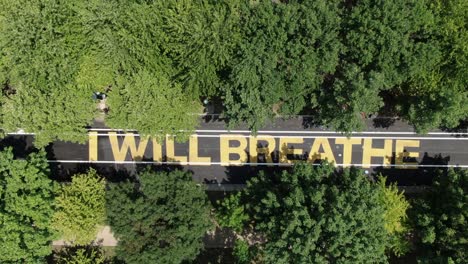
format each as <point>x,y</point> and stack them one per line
<point>160,64</point>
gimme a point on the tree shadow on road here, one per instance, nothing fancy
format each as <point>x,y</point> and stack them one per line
<point>383,122</point>
<point>414,176</point>
<point>22,145</point>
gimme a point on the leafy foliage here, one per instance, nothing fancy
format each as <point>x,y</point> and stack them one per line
<point>80,208</point>
<point>379,45</point>
<point>241,252</point>
<point>26,208</point>
<point>144,93</point>
<point>395,216</point>
<point>126,38</point>
<point>334,59</point>
<point>441,218</point>
<point>80,255</point>
<point>167,110</point>
<point>41,43</point>
<point>160,219</point>
<point>55,115</point>
<point>201,37</point>
<point>315,215</point>
<point>439,87</point>
<point>285,52</point>
<point>231,213</point>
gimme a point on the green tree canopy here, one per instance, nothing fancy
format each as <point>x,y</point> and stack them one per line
<point>441,218</point>
<point>201,37</point>
<point>335,59</point>
<point>313,214</point>
<point>380,41</point>
<point>154,106</point>
<point>396,220</point>
<point>231,213</point>
<point>285,52</point>
<point>81,255</point>
<point>126,37</point>
<point>161,218</point>
<point>80,208</point>
<point>132,52</point>
<point>437,94</point>
<point>41,43</point>
<point>26,208</point>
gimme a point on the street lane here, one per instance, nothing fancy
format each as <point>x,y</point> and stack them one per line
<point>235,157</point>
<point>220,156</point>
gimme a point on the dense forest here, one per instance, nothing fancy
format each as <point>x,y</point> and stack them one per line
<point>158,60</point>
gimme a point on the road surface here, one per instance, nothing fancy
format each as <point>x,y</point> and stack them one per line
<point>216,155</point>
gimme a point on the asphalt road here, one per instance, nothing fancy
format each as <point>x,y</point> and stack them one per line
<point>216,155</point>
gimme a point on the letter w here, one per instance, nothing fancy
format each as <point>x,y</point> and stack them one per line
<point>120,153</point>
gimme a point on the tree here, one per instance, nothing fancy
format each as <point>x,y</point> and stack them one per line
<point>286,51</point>
<point>131,43</point>
<point>396,220</point>
<point>26,208</point>
<point>440,218</point>
<point>201,37</point>
<point>154,106</point>
<point>41,43</point>
<point>315,215</point>
<point>351,96</point>
<point>439,85</point>
<point>133,53</point>
<point>161,218</point>
<point>380,45</point>
<point>80,208</point>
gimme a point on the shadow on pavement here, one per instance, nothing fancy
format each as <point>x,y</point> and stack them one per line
<point>383,122</point>
<point>310,122</point>
<point>403,177</point>
<point>22,145</point>
<point>414,176</point>
<point>63,172</point>
<point>241,174</point>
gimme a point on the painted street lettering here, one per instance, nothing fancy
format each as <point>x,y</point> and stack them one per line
<point>235,150</point>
